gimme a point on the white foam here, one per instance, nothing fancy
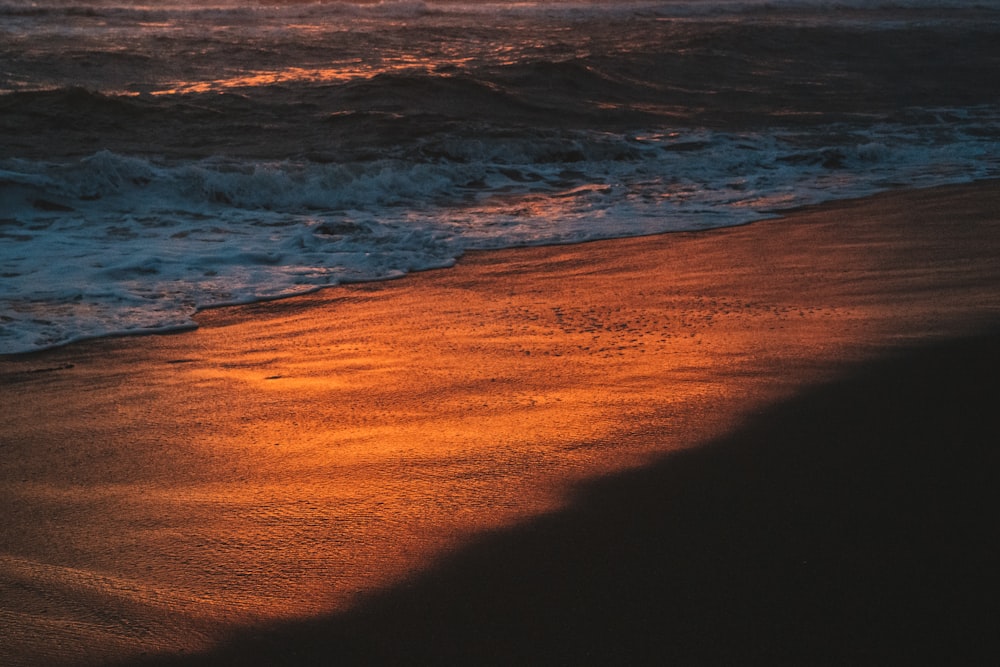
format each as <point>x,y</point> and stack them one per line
<point>116,244</point>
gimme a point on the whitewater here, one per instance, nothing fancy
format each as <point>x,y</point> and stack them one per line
<point>158,160</point>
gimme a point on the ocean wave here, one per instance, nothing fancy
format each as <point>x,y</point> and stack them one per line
<point>451,168</point>
<point>651,72</point>
<point>159,159</point>
<point>240,10</point>
<point>117,243</point>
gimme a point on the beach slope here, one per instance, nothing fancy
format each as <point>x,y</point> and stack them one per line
<point>296,470</point>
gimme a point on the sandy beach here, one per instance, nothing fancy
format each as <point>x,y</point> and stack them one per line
<point>767,444</point>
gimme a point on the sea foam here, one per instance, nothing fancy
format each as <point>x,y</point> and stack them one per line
<point>159,159</point>
<point>111,243</point>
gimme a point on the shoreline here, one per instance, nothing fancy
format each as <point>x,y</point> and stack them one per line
<point>291,457</point>
<point>776,214</point>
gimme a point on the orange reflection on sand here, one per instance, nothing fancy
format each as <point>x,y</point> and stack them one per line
<point>289,457</point>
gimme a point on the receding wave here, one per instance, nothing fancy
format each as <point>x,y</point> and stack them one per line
<point>157,159</point>
<point>123,243</point>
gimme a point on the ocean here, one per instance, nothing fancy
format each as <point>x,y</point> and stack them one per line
<point>157,158</point>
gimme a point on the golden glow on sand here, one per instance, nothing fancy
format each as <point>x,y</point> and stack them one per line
<point>289,456</point>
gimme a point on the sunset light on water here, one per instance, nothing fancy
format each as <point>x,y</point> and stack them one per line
<point>418,131</point>
<point>437,333</point>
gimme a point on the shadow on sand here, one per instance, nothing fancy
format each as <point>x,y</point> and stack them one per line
<point>854,524</point>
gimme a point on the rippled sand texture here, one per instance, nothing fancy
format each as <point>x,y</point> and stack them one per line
<point>286,458</point>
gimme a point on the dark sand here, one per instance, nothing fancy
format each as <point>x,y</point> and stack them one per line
<point>774,444</point>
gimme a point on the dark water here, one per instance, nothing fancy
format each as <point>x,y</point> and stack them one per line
<point>339,81</point>
<point>154,160</point>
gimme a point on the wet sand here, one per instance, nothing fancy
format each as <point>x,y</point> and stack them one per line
<point>405,470</point>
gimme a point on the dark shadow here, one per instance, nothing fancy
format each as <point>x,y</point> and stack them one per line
<point>855,524</point>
